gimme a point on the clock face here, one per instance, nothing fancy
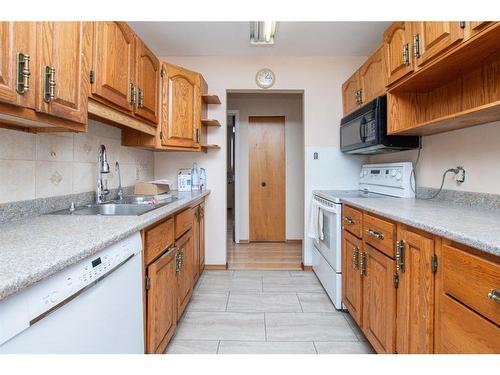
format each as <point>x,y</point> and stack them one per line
<point>265,78</point>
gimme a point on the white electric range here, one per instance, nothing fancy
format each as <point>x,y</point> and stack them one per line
<point>375,181</point>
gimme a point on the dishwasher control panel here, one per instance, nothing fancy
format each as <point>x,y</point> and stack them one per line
<point>25,308</point>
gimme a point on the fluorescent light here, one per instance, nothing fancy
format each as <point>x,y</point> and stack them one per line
<point>262,32</point>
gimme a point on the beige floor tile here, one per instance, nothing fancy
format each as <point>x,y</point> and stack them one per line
<point>208,301</point>
<point>343,347</point>
<point>263,302</point>
<point>266,347</point>
<point>315,302</point>
<point>177,346</point>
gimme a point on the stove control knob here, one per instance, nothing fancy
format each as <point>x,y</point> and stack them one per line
<point>399,176</point>
<point>53,296</point>
<point>393,172</point>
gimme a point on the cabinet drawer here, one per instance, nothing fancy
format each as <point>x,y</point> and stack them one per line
<point>157,239</point>
<point>183,222</point>
<point>469,279</point>
<point>352,220</point>
<point>379,233</point>
<point>461,330</point>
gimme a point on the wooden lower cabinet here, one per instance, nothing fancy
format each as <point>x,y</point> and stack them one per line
<point>352,291</point>
<point>379,300</point>
<point>161,313</point>
<point>415,292</point>
<point>185,274</point>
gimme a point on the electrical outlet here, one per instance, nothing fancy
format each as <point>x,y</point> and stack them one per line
<point>316,156</point>
<point>459,174</point>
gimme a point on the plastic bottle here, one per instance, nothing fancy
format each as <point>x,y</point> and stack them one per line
<point>203,179</point>
<point>195,178</point>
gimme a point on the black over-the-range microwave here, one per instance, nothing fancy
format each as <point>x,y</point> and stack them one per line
<point>364,131</point>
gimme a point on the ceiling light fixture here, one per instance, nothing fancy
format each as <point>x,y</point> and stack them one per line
<point>262,32</point>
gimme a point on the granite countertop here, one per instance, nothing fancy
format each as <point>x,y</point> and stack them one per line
<point>473,226</point>
<point>38,247</point>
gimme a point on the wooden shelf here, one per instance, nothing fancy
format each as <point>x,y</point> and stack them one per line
<point>205,148</point>
<point>210,99</point>
<point>210,122</point>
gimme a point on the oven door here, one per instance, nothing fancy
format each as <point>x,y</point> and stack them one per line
<point>330,245</point>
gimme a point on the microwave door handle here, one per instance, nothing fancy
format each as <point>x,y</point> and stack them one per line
<point>362,129</point>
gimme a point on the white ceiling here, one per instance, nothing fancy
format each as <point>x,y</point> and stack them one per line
<point>233,38</point>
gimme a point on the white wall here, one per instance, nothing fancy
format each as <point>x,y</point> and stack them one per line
<point>290,106</point>
<point>46,165</point>
<point>476,149</point>
<point>320,78</point>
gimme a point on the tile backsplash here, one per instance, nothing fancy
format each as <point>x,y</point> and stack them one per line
<point>47,165</point>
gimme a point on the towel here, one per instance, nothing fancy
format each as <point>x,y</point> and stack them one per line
<point>316,222</point>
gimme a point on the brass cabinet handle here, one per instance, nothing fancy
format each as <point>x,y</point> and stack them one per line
<point>406,54</point>
<point>355,258</point>
<point>132,94</point>
<point>140,98</point>
<point>375,233</point>
<point>494,295</point>
<point>348,220</point>
<point>416,45</point>
<point>400,255</point>
<point>23,73</point>
<point>363,259</point>
<point>49,91</point>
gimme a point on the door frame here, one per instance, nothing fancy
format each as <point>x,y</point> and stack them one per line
<point>284,182</point>
<point>236,182</point>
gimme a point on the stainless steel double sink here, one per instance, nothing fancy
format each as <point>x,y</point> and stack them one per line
<point>128,206</point>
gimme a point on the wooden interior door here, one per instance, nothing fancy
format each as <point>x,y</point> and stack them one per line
<point>436,37</point>
<point>415,295</point>
<point>161,303</point>
<point>396,37</point>
<point>180,95</point>
<point>61,47</point>
<point>185,275</point>
<point>349,93</point>
<point>148,83</point>
<point>266,159</point>
<point>379,301</point>
<point>17,37</point>
<point>351,276</point>
<point>372,76</point>
<point>113,63</point>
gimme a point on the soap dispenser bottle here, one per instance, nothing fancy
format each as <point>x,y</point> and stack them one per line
<point>195,178</point>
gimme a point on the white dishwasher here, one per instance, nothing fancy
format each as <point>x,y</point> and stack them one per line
<point>93,306</point>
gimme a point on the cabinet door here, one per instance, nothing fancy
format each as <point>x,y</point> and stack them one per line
<point>185,274</point>
<point>415,294</point>
<point>372,76</point>
<point>379,300</point>
<point>179,99</point>
<point>61,48</point>
<point>350,89</point>
<point>398,50</point>
<point>196,244</point>
<point>161,303</point>
<point>202,237</point>
<point>148,83</point>
<point>113,63</point>
<point>17,37</point>
<point>435,38</point>
<point>351,276</point>
<point>475,27</point>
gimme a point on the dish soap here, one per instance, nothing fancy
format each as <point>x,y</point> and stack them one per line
<point>195,178</point>
<point>203,179</point>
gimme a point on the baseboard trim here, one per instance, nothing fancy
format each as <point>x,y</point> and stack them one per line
<point>306,268</point>
<point>215,267</point>
<point>244,241</point>
<point>294,241</point>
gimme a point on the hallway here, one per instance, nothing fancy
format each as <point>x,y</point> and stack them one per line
<point>264,312</point>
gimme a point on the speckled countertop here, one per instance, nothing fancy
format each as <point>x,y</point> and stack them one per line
<point>473,226</point>
<point>35,248</point>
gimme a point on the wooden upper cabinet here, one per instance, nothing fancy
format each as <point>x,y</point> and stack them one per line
<point>415,294</point>
<point>352,287</point>
<point>61,53</point>
<point>475,27</point>
<point>114,63</point>
<point>17,38</point>
<point>433,38</point>
<point>180,96</point>
<point>161,303</point>
<point>379,300</point>
<point>372,76</point>
<point>148,83</point>
<point>398,39</point>
<point>350,93</point>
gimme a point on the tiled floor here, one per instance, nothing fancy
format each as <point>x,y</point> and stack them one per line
<point>264,312</point>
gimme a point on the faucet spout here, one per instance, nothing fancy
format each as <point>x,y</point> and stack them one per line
<point>120,189</point>
<point>102,168</point>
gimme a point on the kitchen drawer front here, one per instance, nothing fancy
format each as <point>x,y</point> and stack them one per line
<point>379,233</point>
<point>157,239</point>
<point>183,222</point>
<point>470,279</point>
<point>461,330</point>
<point>352,220</point>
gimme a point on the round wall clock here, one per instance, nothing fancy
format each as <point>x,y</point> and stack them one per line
<point>265,78</point>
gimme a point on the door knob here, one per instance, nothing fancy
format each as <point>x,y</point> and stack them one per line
<point>263,184</point>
